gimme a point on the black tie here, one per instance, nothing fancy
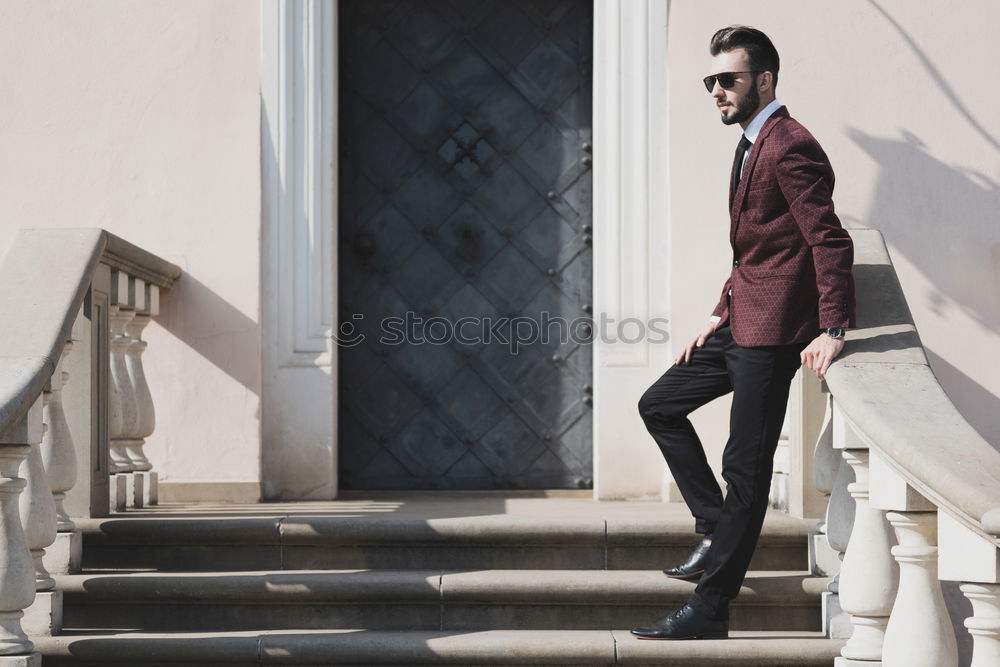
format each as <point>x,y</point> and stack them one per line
<point>741,150</point>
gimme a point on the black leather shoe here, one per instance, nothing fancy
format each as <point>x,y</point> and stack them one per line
<point>691,570</point>
<point>685,623</point>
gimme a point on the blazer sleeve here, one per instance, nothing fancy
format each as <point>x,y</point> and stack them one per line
<point>806,181</point>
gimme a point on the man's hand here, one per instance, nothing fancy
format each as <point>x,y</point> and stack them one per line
<point>698,341</point>
<point>820,353</point>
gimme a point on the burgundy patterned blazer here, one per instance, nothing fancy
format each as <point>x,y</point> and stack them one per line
<point>792,259</point>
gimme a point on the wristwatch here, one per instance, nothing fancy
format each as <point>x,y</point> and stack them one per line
<point>834,332</point>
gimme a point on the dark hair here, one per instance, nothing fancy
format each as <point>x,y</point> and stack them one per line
<point>760,51</point>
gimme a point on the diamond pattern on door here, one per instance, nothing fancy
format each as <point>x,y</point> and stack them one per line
<point>464,199</point>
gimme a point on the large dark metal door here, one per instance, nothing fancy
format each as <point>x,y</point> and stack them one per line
<point>465,213</point>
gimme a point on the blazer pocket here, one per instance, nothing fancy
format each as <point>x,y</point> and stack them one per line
<point>762,188</point>
<point>756,272</point>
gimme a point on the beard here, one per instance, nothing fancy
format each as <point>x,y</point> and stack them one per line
<point>745,107</point>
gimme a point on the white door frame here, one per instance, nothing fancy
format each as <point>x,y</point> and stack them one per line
<point>631,239</point>
<point>299,272</point>
<point>298,258</point>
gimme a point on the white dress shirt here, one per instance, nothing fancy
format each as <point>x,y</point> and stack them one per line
<point>751,133</point>
<point>753,129</point>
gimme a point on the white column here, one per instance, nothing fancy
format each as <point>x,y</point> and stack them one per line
<point>810,417</point>
<point>919,632</point>
<point>17,570</point>
<point>984,624</point>
<point>631,225</point>
<point>868,575</point>
<point>299,47</point>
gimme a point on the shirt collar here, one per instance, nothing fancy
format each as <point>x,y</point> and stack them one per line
<point>753,129</point>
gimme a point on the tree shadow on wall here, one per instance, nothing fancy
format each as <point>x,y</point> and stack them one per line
<point>943,219</point>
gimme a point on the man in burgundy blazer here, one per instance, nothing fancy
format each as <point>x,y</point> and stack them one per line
<point>788,299</point>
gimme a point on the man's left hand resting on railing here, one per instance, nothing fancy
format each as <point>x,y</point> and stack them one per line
<point>820,353</point>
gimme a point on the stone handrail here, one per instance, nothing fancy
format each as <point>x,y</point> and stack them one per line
<point>57,287</point>
<point>924,501</point>
<point>43,280</point>
<point>886,388</point>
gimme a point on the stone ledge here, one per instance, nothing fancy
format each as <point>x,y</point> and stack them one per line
<point>353,530</point>
<point>435,586</point>
<point>495,647</point>
<point>773,648</point>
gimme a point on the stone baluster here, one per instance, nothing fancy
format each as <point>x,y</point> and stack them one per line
<point>146,300</point>
<point>831,477</point>
<point>17,569</point>
<point>839,518</point>
<point>919,632</point>
<point>972,557</point>
<point>868,575</point>
<point>146,419</point>
<point>58,456</point>
<point>39,519</point>
<point>38,513</point>
<point>823,559</point>
<point>58,452</point>
<point>123,418</point>
<point>984,624</point>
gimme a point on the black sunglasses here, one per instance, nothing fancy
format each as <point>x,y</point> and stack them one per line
<point>726,79</point>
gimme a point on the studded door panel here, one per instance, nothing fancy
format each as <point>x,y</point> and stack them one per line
<point>465,192</point>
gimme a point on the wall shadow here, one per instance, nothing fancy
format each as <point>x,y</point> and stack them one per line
<point>943,219</point>
<point>213,328</point>
<point>983,414</point>
<point>942,82</point>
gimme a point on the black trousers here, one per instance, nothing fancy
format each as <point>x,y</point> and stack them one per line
<point>759,378</point>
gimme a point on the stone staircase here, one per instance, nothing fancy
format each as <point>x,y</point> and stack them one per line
<point>435,580</point>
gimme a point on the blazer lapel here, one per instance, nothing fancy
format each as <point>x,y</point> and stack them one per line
<point>736,202</point>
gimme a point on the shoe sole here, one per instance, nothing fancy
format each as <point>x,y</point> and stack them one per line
<point>692,576</point>
<point>706,635</point>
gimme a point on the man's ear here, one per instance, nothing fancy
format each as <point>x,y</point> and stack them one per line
<point>765,82</point>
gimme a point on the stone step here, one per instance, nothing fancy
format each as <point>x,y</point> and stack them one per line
<point>420,600</point>
<point>373,647</point>
<point>364,542</point>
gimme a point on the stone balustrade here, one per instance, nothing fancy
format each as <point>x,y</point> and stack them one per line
<point>923,488</point>
<point>913,492</point>
<point>99,294</point>
<point>132,418</point>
